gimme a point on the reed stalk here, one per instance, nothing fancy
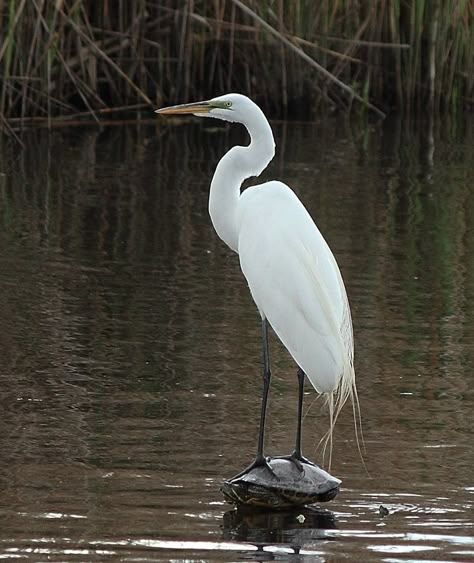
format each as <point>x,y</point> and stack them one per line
<point>75,56</point>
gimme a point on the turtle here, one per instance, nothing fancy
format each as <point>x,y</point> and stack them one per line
<point>280,483</point>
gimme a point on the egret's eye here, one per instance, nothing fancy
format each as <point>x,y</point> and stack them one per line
<point>228,104</point>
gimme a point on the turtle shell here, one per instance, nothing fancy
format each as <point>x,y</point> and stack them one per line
<point>285,486</point>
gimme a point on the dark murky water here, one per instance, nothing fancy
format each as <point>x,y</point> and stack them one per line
<point>130,347</point>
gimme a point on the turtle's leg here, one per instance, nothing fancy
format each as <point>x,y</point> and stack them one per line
<point>297,457</point>
<point>260,459</point>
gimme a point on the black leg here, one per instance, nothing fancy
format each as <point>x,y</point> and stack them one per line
<point>297,457</point>
<point>301,375</point>
<point>260,459</point>
<point>267,376</point>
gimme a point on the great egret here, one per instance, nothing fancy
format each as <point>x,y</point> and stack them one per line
<point>292,274</point>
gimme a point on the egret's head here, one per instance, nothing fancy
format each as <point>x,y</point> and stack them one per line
<point>230,107</point>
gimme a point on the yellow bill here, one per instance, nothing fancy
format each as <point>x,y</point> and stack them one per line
<point>196,107</point>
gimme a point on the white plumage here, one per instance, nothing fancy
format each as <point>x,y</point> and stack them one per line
<point>291,272</point>
<point>295,282</point>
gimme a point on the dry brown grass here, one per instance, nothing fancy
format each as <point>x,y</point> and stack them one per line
<point>64,57</point>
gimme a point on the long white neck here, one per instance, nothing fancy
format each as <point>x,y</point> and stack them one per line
<point>235,166</point>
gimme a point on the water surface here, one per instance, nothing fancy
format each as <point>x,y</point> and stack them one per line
<point>131,353</point>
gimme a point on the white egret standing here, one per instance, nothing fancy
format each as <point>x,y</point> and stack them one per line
<point>292,274</point>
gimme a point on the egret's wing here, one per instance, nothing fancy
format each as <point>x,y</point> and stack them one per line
<point>295,282</point>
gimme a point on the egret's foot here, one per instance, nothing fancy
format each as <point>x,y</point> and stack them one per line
<point>298,460</point>
<point>263,461</point>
